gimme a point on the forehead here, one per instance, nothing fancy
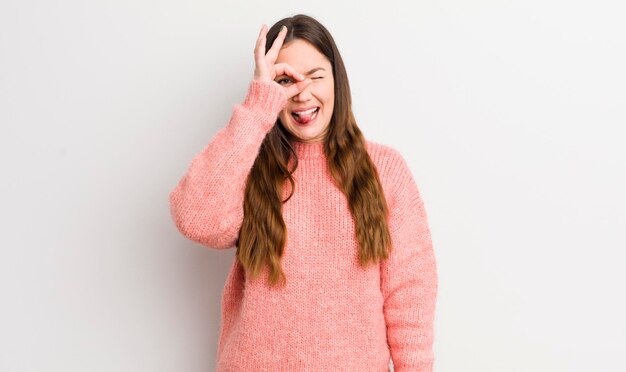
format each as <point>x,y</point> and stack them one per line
<point>302,55</point>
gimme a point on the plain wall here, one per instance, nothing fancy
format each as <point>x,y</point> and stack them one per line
<point>510,114</point>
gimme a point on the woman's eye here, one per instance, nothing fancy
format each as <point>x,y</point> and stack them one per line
<point>281,80</point>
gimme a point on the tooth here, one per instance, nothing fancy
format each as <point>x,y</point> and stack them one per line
<point>305,112</point>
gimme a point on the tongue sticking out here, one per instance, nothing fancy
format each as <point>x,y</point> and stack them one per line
<point>305,118</point>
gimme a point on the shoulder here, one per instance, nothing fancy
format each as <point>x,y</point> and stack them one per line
<point>382,154</point>
<point>393,169</point>
<point>402,193</point>
<point>388,160</point>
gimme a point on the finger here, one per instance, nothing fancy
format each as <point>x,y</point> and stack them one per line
<point>260,39</point>
<point>272,54</point>
<point>296,88</point>
<point>286,69</point>
<point>259,52</point>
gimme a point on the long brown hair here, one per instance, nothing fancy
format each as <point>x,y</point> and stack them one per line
<point>263,233</point>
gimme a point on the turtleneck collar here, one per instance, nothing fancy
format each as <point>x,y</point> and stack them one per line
<point>309,150</point>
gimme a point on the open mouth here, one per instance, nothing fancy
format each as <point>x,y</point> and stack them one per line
<point>304,117</point>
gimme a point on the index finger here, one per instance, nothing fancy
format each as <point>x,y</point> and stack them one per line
<point>259,49</point>
<point>272,54</point>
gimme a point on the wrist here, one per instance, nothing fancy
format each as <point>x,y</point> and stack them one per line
<point>265,95</point>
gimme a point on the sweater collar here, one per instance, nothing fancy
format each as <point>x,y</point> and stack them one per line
<point>309,150</point>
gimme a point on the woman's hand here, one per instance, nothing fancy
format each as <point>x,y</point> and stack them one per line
<point>266,70</point>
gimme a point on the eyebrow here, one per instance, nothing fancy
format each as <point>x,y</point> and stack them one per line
<point>315,69</point>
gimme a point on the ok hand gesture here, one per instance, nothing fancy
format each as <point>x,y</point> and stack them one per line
<point>267,70</point>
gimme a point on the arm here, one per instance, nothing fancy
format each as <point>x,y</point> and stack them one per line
<point>207,203</point>
<point>409,277</point>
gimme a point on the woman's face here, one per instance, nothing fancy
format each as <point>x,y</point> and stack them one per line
<point>309,126</point>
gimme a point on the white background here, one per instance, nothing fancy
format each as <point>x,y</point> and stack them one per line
<point>510,113</point>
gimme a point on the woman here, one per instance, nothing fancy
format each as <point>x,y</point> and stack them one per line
<point>334,269</point>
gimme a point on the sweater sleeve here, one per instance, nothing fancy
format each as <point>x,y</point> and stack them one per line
<point>207,203</point>
<point>409,276</point>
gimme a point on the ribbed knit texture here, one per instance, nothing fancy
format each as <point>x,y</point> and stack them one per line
<point>333,315</point>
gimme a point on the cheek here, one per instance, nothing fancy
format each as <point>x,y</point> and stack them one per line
<point>329,92</point>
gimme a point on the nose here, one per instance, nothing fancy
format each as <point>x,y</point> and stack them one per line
<point>304,95</point>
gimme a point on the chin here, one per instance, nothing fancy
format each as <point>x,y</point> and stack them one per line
<point>306,134</point>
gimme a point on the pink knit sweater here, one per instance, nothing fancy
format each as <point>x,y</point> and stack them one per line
<point>332,315</point>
